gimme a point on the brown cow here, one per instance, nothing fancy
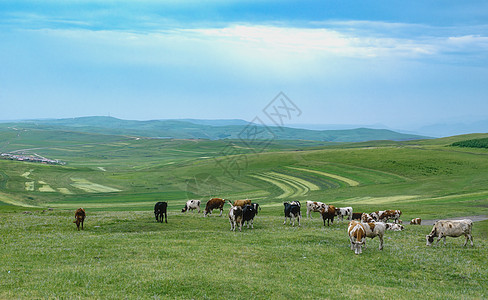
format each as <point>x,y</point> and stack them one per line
<point>79,218</point>
<point>242,202</point>
<point>357,236</point>
<point>356,216</point>
<point>212,204</point>
<point>329,214</point>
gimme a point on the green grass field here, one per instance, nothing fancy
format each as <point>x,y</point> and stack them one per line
<point>124,253</point>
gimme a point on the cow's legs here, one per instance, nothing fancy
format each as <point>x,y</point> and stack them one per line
<point>284,223</point>
<point>381,241</point>
<point>221,210</point>
<point>165,217</point>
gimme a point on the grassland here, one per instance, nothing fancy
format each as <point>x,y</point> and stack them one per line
<point>124,253</point>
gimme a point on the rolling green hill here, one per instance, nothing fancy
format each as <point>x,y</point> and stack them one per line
<point>200,129</point>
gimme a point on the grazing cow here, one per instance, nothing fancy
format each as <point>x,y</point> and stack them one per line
<point>356,216</point>
<point>416,221</point>
<point>248,213</point>
<point>292,211</point>
<point>235,217</point>
<point>329,214</point>
<point>242,202</point>
<point>315,206</point>
<point>452,228</point>
<point>343,212</point>
<point>375,229</point>
<point>256,207</point>
<point>212,204</point>
<point>357,236</point>
<point>79,218</point>
<point>160,211</point>
<point>394,227</point>
<point>366,218</point>
<point>192,205</point>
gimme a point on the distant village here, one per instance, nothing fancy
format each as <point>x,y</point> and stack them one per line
<point>31,158</point>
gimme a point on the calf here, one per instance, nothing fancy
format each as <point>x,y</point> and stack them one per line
<point>192,205</point>
<point>357,236</point>
<point>292,211</point>
<point>394,227</point>
<point>416,221</point>
<point>160,211</point>
<point>375,229</point>
<point>343,212</point>
<point>235,217</point>
<point>248,213</point>
<point>79,218</point>
<point>315,206</point>
<point>212,204</point>
<point>454,228</point>
<point>329,214</point>
<point>242,202</point>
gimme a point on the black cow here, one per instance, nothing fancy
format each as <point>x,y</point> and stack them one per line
<point>160,211</point>
<point>292,211</point>
<point>256,207</point>
<point>248,213</point>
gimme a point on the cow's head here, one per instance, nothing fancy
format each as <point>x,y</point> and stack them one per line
<point>430,239</point>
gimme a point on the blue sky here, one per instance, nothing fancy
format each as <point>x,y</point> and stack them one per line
<point>403,64</point>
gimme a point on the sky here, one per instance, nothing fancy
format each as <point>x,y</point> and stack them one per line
<point>402,64</point>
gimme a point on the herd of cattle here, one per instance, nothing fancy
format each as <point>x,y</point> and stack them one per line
<point>361,225</point>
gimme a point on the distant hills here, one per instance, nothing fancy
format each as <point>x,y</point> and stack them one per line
<point>210,129</point>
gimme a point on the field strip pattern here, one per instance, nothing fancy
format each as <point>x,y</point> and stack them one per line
<point>349,181</point>
<point>91,187</point>
<point>290,185</point>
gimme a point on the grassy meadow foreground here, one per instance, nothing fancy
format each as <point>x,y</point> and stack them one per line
<point>124,253</point>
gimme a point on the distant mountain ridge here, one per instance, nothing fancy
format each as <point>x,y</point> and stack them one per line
<point>212,129</point>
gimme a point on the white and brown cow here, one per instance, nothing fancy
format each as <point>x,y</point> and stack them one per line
<point>394,227</point>
<point>212,204</point>
<point>342,212</point>
<point>315,206</point>
<point>452,228</point>
<point>357,236</point>
<point>416,221</point>
<point>192,205</point>
<point>235,217</point>
<point>375,229</point>
<point>385,215</point>
<point>367,218</point>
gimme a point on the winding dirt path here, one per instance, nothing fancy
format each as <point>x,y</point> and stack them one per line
<point>473,218</point>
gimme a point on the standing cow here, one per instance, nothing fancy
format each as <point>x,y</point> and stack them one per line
<point>342,212</point>
<point>235,217</point>
<point>292,211</point>
<point>315,206</point>
<point>79,218</point>
<point>454,228</point>
<point>357,236</point>
<point>375,229</point>
<point>212,204</point>
<point>329,214</point>
<point>160,211</point>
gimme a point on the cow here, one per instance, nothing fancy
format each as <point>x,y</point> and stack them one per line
<point>452,228</point>
<point>235,217</point>
<point>256,207</point>
<point>212,204</point>
<point>329,214</point>
<point>79,218</point>
<point>292,211</point>
<point>242,202</point>
<point>375,229</point>
<point>416,221</point>
<point>248,213</point>
<point>385,215</point>
<point>356,216</point>
<point>343,212</point>
<point>192,205</point>
<point>366,218</point>
<point>160,211</point>
<point>315,206</point>
<point>357,236</point>
<point>394,227</point>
